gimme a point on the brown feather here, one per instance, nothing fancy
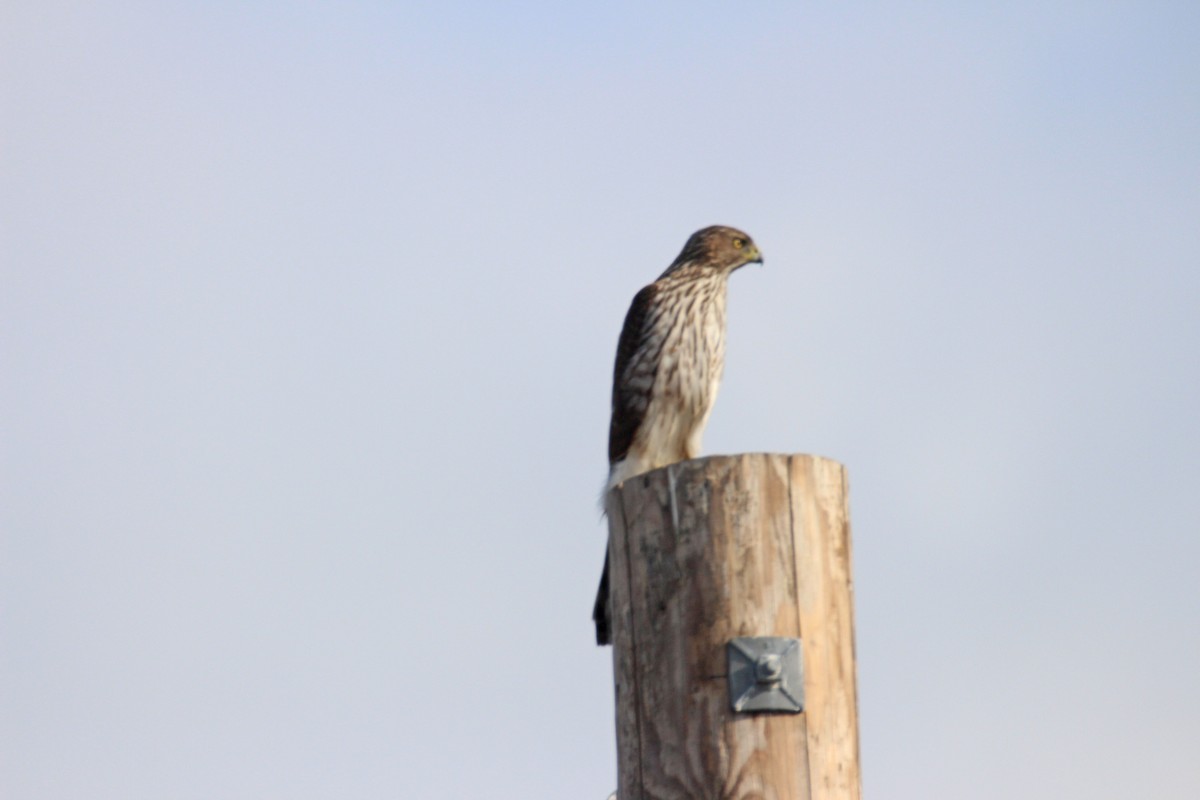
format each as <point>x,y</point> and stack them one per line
<point>627,412</point>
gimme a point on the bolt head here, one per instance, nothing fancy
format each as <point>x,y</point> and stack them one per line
<point>768,669</point>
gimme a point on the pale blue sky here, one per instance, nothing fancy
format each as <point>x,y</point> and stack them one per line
<point>307,317</point>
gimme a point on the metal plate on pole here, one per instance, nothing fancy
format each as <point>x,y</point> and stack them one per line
<point>766,673</point>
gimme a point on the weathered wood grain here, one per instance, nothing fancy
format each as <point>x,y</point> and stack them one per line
<point>705,551</point>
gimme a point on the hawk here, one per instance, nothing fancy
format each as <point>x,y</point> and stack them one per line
<point>669,362</point>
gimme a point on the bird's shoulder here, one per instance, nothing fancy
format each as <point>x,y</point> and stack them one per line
<point>637,323</point>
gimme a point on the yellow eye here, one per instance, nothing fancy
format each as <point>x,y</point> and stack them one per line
<point>739,242</point>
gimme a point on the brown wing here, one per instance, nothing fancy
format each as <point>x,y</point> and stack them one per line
<point>636,355</point>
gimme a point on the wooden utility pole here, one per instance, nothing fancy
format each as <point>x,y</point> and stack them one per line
<point>704,552</point>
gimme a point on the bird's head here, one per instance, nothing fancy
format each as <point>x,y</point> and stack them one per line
<point>719,247</point>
